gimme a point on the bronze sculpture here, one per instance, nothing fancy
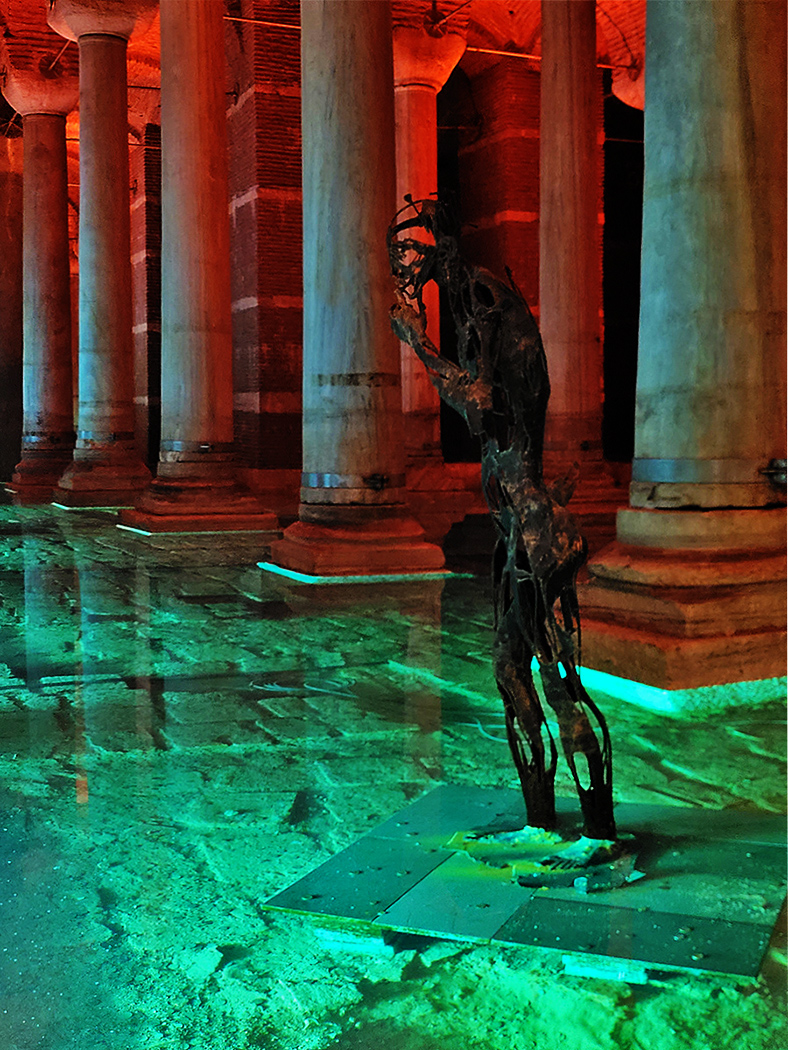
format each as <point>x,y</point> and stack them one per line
<point>500,386</point>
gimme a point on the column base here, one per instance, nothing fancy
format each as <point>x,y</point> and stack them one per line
<point>356,541</point>
<point>195,505</point>
<point>440,494</point>
<point>93,483</point>
<point>600,492</point>
<point>37,475</point>
<point>682,617</point>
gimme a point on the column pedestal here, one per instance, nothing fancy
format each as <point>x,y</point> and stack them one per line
<point>703,603</point>
<point>359,541</point>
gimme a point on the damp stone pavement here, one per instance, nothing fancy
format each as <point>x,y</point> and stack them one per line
<point>183,735</point>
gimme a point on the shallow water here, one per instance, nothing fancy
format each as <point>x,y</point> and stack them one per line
<point>182,736</point>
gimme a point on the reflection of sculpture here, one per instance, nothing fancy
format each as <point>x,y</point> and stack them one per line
<point>500,386</point>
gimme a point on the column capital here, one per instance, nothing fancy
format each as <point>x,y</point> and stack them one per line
<point>30,91</point>
<point>75,18</point>
<point>423,59</point>
<point>37,74</point>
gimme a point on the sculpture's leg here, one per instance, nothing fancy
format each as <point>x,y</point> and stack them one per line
<point>569,700</point>
<point>526,731</point>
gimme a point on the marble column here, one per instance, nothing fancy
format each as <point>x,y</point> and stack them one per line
<point>47,394</point>
<point>352,516</point>
<point>570,275</point>
<point>693,592</point>
<point>422,64</point>
<point>11,192</point>
<point>195,486</point>
<point>107,468</point>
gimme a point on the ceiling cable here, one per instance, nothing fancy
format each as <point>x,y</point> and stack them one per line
<point>57,57</point>
<point>534,58</point>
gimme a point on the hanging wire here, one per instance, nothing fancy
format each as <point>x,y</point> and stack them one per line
<point>57,57</point>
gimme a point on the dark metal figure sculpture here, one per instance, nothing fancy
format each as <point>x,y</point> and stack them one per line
<point>501,388</point>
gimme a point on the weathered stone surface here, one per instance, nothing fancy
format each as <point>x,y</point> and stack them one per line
<point>711,366</point>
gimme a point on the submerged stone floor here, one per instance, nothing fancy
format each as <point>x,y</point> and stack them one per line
<point>182,736</point>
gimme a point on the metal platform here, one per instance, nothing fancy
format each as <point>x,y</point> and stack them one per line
<point>712,892</point>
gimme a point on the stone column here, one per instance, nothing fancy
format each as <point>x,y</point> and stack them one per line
<point>352,515</point>
<point>107,469</point>
<point>570,274</point>
<point>47,395</point>
<point>422,64</point>
<point>195,485</point>
<point>11,190</point>
<point>696,575</point>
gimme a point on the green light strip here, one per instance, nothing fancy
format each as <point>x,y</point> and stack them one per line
<point>192,532</point>
<point>677,702</point>
<point>118,506</point>
<point>684,701</point>
<point>401,577</point>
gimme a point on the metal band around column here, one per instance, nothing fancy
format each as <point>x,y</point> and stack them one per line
<point>105,437</point>
<point>699,471</point>
<point>196,446</point>
<point>375,482</point>
<point>59,437</point>
<point>353,379</point>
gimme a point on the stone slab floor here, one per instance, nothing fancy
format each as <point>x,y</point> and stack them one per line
<point>181,737</point>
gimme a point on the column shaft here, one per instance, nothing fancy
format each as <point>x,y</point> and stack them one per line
<point>569,244</point>
<point>107,467</point>
<point>47,395</point>
<point>417,174</point>
<point>711,367</point>
<point>11,296</point>
<point>197,396</point>
<point>352,391</point>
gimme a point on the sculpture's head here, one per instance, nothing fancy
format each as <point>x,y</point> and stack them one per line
<point>423,246</point>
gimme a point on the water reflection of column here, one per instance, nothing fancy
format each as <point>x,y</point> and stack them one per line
<point>107,649</point>
<point>49,628</point>
<point>52,637</point>
<point>423,650</point>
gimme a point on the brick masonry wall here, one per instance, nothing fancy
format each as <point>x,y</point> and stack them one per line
<point>499,175</point>
<point>264,127</point>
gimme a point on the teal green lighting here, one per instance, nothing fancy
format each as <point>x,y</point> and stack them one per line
<point>684,701</point>
<point>397,577</point>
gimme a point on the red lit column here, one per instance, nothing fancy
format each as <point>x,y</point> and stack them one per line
<point>195,485</point>
<point>106,469</point>
<point>47,395</point>
<point>422,64</point>
<point>569,245</point>
<point>352,517</point>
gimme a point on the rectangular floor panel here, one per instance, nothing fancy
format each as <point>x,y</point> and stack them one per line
<point>711,888</point>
